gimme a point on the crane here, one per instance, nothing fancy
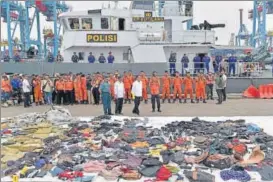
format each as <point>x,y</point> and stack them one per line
<point>12,13</point>
<point>243,33</point>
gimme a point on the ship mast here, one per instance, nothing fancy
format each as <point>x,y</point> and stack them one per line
<point>116,5</point>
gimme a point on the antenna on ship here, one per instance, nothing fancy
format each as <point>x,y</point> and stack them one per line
<point>116,4</point>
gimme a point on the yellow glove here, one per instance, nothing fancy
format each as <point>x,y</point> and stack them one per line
<point>133,96</point>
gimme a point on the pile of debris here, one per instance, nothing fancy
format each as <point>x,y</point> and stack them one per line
<point>56,145</point>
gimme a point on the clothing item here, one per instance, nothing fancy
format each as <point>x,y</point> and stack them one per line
<point>119,89</point>
<point>26,86</point>
<point>137,88</point>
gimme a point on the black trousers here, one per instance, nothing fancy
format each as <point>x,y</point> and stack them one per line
<point>155,98</point>
<point>27,101</point>
<point>220,95</point>
<point>54,96</point>
<point>136,107</point>
<point>119,104</point>
<point>60,97</point>
<point>224,94</point>
<point>69,97</point>
<point>210,91</point>
<point>96,95</point>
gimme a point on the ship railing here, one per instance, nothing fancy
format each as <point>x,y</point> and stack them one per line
<point>241,69</point>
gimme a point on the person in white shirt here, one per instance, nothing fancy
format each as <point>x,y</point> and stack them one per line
<point>225,85</point>
<point>119,95</point>
<point>26,90</point>
<point>137,94</point>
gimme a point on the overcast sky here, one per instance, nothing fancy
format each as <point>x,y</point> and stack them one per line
<point>213,11</point>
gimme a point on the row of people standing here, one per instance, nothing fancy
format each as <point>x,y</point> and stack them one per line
<point>92,59</point>
<point>202,63</point>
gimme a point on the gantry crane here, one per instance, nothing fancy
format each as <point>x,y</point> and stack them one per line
<point>51,10</point>
<point>13,13</point>
<point>259,36</point>
<point>243,34</point>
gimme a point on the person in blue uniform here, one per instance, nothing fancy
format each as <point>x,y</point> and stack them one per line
<point>172,62</point>
<point>110,58</point>
<point>248,57</point>
<point>106,96</point>
<point>50,57</point>
<point>17,58</point>
<point>102,58</point>
<point>218,59</point>
<point>206,60</point>
<point>196,63</point>
<point>185,63</point>
<point>231,62</point>
<point>91,58</point>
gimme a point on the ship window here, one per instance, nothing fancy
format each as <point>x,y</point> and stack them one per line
<point>74,23</point>
<point>87,23</point>
<point>104,23</point>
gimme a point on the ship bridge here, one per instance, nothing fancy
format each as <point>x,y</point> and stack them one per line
<point>132,34</point>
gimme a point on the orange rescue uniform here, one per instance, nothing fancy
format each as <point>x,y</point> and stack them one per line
<point>201,88</point>
<point>127,81</point>
<point>78,90</point>
<point>6,86</point>
<point>60,85</point>
<point>188,81</point>
<point>83,83</point>
<point>154,85</point>
<point>37,91</point>
<point>112,81</point>
<point>177,84</point>
<point>145,82</point>
<point>68,85</point>
<point>166,82</point>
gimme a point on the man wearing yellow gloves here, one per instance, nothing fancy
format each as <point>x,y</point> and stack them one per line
<point>137,94</point>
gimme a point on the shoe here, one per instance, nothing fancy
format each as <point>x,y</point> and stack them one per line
<point>180,101</point>
<point>153,110</point>
<point>218,103</point>
<point>173,100</point>
<point>146,102</point>
<point>129,101</point>
<point>163,101</point>
<point>193,101</point>
<point>197,100</point>
<point>185,101</point>
<point>169,100</point>
<point>158,110</point>
<point>204,101</point>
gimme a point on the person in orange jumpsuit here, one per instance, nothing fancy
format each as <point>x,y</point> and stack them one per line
<point>6,87</point>
<point>154,87</point>
<point>201,88</point>
<point>60,90</point>
<point>131,76</point>
<point>68,90</point>
<point>166,82</point>
<point>188,87</point>
<point>177,85</point>
<point>145,83</point>
<point>78,90</point>
<point>127,81</point>
<point>112,81</point>
<point>84,89</point>
<point>37,90</point>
